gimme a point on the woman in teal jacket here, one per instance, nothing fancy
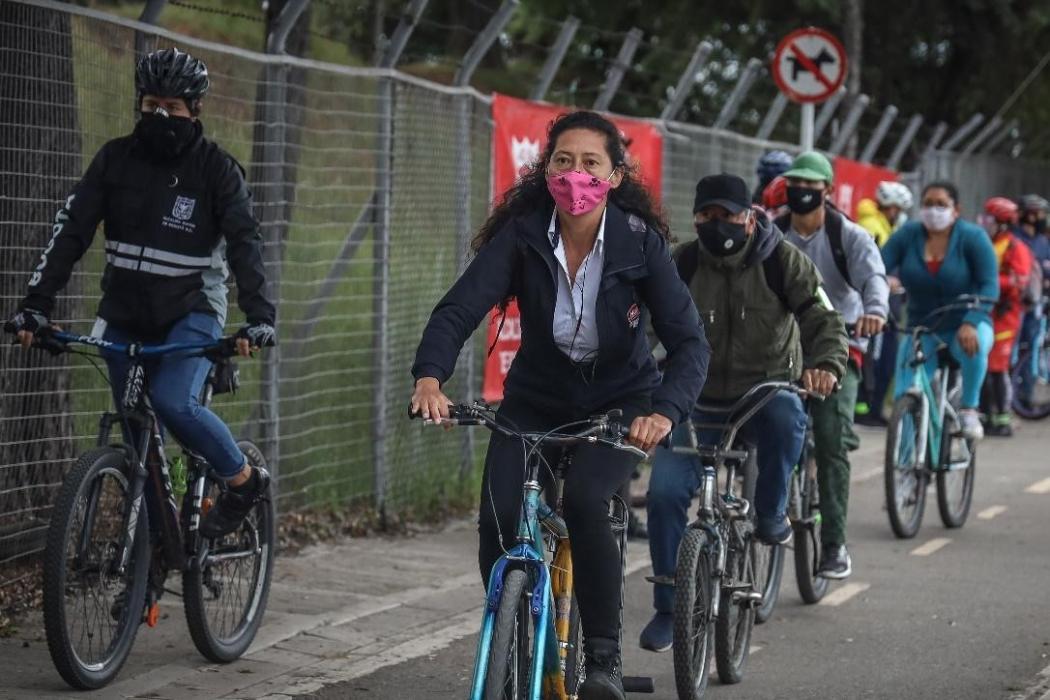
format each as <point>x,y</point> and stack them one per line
<point>937,259</point>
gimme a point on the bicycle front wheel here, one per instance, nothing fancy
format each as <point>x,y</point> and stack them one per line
<point>807,539</point>
<point>904,477</point>
<point>92,612</point>
<point>736,614</point>
<point>225,596</point>
<point>1030,398</point>
<point>693,628</point>
<point>509,664</point>
<point>955,485</point>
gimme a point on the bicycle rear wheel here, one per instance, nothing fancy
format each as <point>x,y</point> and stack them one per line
<point>509,663</point>
<point>955,486</point>
<point>1033,403</point>
<point>91,612</point>
<point>736,614</point>
<point>225,596</point>
<point>693,628</point>
<point>807,539</point>
<point>905,479</point>
<point>767,561</point>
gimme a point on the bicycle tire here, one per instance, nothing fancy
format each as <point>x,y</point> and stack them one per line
<point>199,589</point>
<point>735,620</point>
<point>693,629</point>
<point>768,565</point>
<point>811,588</point>
<point>56,579</point>
<point>508,656</point>
<point>954,512</point>
<point>1023,408</point>
<point>574,654</point>
<point>903,429</point>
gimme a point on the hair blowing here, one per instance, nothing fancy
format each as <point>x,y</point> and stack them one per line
<point>530,193</point>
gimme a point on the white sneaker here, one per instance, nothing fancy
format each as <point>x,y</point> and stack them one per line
<point>970,424</point>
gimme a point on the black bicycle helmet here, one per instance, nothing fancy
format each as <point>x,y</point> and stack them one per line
<point>172,73</point>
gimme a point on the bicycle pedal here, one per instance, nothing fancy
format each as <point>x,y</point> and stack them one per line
<point>663,580</point>
<point>152,616</point>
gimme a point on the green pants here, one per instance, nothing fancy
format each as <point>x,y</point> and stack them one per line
<point>834,438</point>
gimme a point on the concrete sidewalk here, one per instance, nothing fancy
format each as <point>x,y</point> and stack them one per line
<point>354,606</point>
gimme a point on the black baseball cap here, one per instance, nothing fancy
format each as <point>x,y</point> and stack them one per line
<point>725,190</point>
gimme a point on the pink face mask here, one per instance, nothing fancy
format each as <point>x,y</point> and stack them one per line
<point>577,192</point>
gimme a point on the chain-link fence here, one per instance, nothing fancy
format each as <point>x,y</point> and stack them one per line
<point>367,186</point>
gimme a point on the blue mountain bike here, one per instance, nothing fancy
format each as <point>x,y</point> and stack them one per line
<point>531,640</point>
<point>923,440</point>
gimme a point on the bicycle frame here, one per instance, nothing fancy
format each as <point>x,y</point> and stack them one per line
<point>934,402</point>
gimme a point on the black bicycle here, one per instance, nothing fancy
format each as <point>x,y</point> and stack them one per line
<point>722,568</point>
<point>116,531</point>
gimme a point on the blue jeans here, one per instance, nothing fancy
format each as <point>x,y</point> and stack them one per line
<point>175,383</point>
<point>778,431</point>
<point>973,368</point>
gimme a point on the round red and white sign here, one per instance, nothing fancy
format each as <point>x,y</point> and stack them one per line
<point>809,65</point>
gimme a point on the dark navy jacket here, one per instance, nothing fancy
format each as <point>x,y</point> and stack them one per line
<point>638,279</point>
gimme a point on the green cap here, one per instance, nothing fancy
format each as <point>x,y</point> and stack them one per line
<point>811,166</point>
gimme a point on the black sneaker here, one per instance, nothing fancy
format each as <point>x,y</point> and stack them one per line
<point>604,678</point>
<point>234,504</point>
<point>658,635</point>
<point>835,562</point>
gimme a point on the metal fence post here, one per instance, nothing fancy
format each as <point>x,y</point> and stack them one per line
<point>381,298</point>
<point>935,139</point>
<point>997,140</point>
<point>736,97</point>
<point>982,135</point>
<point>618,70</point>
<point>827,111</point>
<point>879,134</point>
<point>962,132</point>
<point>769,122</point>
<point>906,139</point>
<point>850,125</point>
<point>686,81</point>
<point>555,58</point>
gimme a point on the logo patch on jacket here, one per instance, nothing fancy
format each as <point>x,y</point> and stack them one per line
<point>183,209</point>
<point>633,315</point>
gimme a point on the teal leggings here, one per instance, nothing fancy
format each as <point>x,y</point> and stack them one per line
<point>973,368</point>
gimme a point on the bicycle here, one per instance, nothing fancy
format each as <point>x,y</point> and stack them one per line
<point>804,513</point>
<point>923,439</point>
<point>1030,376</point>
<point>715,575</point>
<point>105,565</point>
<point>525,650</point>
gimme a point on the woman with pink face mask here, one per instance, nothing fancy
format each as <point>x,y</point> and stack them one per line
<point>584,251</point>
<point>937,259</point>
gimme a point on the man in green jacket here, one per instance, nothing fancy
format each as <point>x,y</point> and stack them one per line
<point>767,318</point>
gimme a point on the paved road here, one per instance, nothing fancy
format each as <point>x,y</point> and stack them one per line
<point>952,614</point>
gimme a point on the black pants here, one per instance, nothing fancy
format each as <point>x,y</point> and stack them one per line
<point>595,475</point>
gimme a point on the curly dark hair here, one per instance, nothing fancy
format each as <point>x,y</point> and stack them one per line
<point>530,193</point>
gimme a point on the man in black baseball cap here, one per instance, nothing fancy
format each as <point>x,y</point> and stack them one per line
<point>759,297</point>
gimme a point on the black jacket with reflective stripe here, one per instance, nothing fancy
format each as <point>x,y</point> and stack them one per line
<point>170,228</point>
<point>638,280</point>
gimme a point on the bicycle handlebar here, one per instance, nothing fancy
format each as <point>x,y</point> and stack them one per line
<point>964,302</point>
<point>57,342</point>
<point>733,425</point>
<point>603,429</point>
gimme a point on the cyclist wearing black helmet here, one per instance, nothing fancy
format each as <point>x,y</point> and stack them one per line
<point>177,215</point>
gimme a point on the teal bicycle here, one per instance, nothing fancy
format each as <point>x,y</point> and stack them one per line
<point>531,640</point>
<point>924,441</point>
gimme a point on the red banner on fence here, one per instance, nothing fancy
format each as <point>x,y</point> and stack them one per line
<point>856,181</point>
<point>518,140</point>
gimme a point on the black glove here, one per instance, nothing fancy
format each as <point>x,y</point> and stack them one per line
<point>259,335</point>
<point>29,320</point>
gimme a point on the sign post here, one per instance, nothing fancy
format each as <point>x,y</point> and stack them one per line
<point>809,66</point>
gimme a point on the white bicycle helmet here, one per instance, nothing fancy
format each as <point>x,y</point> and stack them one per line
<point>893,194</point>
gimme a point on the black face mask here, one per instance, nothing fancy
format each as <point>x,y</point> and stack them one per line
<point>163,137</point>
<point>803,200</point>
<point>722,237</point>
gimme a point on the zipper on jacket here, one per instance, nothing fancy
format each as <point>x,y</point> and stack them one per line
<point>728,352</point>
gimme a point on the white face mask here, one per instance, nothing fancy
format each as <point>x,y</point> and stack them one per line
<point>937,218</point>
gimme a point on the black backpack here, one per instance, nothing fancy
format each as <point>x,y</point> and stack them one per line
<point>833,219</point>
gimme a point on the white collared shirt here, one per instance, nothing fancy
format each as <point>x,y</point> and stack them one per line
<point>575,325</point>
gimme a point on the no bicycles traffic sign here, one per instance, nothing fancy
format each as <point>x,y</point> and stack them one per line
<point>809,65</point>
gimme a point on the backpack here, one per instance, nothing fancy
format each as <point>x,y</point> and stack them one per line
<point>833,225</point>
<point>773,266</point>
